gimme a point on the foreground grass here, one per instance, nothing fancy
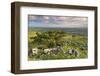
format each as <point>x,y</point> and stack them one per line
<point>77,42</point>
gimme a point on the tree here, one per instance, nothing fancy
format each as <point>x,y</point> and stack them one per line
<point>50,39</point>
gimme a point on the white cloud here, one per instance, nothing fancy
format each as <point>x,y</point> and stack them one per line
<point>58,21</point>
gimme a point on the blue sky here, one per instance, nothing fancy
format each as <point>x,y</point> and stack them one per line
<point>57,21</point>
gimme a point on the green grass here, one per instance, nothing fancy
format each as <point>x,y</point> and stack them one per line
<point>77,42</point>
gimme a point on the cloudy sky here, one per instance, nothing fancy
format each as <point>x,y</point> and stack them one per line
<point>57,21</point>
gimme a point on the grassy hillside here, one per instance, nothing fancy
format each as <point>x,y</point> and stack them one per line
<point>51,39</point>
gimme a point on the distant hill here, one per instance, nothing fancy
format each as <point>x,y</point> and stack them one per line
<point>81,31</point>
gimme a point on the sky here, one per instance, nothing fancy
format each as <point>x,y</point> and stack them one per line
<point>57,21</point>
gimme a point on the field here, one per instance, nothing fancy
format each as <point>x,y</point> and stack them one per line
<point>57,43</point>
